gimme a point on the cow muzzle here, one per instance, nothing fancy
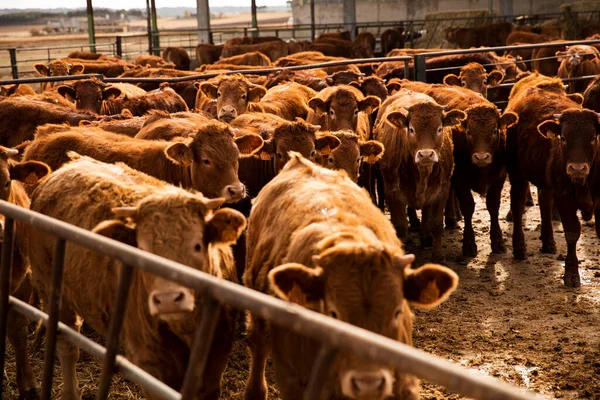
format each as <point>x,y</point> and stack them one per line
<point>578,171</point>
<point>227,114</point>
<point>481,159</point>
<point>234,193</point>
<point>575,59</point>
<point>367,385</point>
<point>170,301</point>
<point>426,157</point>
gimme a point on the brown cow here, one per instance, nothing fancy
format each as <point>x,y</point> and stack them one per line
<point>12,177</point>
<point>335,246</point>
<point>313,57</point>
<point>177,56</point>
<point>591,95</point>
<point>124,123</point>
<point>546,83</point>
<point>251,40</point>
<point>19,89</point>
<point>391,39</point>
<point>208,53</point>
<point>417,164</point>
<point>312,78</point>
<point>21,116</point>
<point>57,68</point>
<point>343,78</point>
<point>153,61</point>
<point>89,94</point>
<point>164,98</point>
<point>106,67</point>
<point>165,126</point>
<point>252,58</point>
<point>26,92</point>
<point>554,147</point>
<point>146,213</point>
<point>473,76</point>
<point>273,50</point>
<point>288,100</point>
<point>526,38</point>
<point>487,35</point>
<point>334,48</point>
<point>232,93</point>
<point>364,44</point>
<point>576,61</point>
<point>543,59</point>
<point>86,55</point>
<point>216,68</point>
<point>296,47</point>
<point>206,161</point>
<point>342,35</point>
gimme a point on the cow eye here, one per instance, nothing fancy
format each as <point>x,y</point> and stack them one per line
<point>313,153</point>
<point>330,159</point>
<point>279,155</point>
<point>7,184</point>
<point>358,160</point>
<point>331,112</point>
<point>206,161</point>
<point>218,94</point>
<point>356,112</point>
<point>463,84</point>
<point>562,139</point>
<point>243,97</point>
<point>397,313</point>
<point>197,247</point>
<point>333,314</point>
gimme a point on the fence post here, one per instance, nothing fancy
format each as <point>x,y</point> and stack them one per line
<point>420,68</point>
<point>13,63</point>
<point>119,46</point>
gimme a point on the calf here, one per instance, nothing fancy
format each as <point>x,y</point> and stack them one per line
<point>273,50</point>
<point>417,163</point>
<point>578,60</point>
<point>146,213</point>
<point>208,53</point>
<point>334,253</point>
<point>207,160</point>
<point>288,100</point>
<point>252,58</point>
<point>177,56</point>
<point>57,68</point>
<point>473,76</point>
<point>554,147</point>
<point>164,98</point>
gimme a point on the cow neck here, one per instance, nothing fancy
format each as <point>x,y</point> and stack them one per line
<point>163,168</point>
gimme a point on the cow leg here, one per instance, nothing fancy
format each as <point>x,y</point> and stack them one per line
<point>426,237</point>
<point>436,223</point>
<point>492,201</point>
<point>380,188</point>
<point>518,196</point>
<point>467,206</point>
<point>572,228</point>
<point>413,220</point>
<point>529,202</point>
<point>395,204</point>
<point>68,354</point>
<point>256,387</point>
<point>597,217</point>
<point>451,210</point>
<point>545,200</point>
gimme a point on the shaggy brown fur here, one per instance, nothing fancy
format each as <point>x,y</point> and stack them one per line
<point>165,126</point>
<point>57,68</point>
<point>591,95</point>
<point>473,76</point>
<point>164,98</point>
<point>526,38</point>
<point>252,58</point>
<point>312,78</point>
<point>86,55</point>
<point>208,53</point>
<point>153,61</point>
<point>578,60</point>
<point>490,35</point>
<point>124,123</point>
<point>273,50</point>
<point>19,89</point>
<point>313,57</point>
<point>341,35</point>
<point>288,100</point>
<point>392,39</point>
<point>178,56</point>
<point>337,254</point>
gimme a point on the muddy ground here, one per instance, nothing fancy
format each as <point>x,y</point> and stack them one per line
<point>511,320</point>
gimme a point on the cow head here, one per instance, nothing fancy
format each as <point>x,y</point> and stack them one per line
<point>59,68</point>
<point>88,94</point>
<point>211,155</point>
<point>485,129</point>
<point>371,287</point>
<point>182,227</point>
<point>473,76</point>
<point>343,78</point>
<point>424,124</point>
<point>575,55</point>
<point>350,153</point>
<point>298,136</point>
<point>340,109</point>
<point>29,172</point>
<point>372,86</point>
<point>577,131</point>
<point>233,93</point>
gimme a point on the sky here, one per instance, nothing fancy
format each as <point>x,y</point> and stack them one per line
<point>130,3</point>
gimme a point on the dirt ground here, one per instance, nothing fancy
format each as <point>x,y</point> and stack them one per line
<point>511,320</point>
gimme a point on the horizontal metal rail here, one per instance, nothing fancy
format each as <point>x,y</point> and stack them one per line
<point>337,334</point>
<point>50,79</point>
<point>70,46</point>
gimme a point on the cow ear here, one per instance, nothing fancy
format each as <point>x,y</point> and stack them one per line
<point>267,151</point>
<point>452,80</point>
<point>393,86</point>
<point>249,144</point>
<point>508,119</point>
<point>209,89</point>
<point>255,93</point>
<point>398,119</point>
<point>197,85</point>
<point>329,80</point>
<point>355,84</point>
<point>180,153</point>
<point>326,144</point>
<point>125,212</point>
<point>117,230</point>
<point>429,285</point>
<point>494,78</point>
<point>453,117</point>
<point>549,129</point>
<point>76,69</point>
<point>560,55</point>
<point>29,172</point>
<point>371,151</point>
<point>369,104</point>
<point>225,226</point>
<point>42,69</point>
<point>318,105</point>
<point>111,92</point>
<point>576,97</point>
<point>297,283</point>
<point>66,91</point>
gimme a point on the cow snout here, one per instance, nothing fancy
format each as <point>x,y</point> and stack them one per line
<point>374,385</point>
<point>481,159</point>
<point>170,302</point>
<point>235,192</point>
<point>578,170</point>
<point>427,156</point>
<point>575,59</point>
<point>227,113</point>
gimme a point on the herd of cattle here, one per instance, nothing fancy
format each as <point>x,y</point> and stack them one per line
<point>171,170</point>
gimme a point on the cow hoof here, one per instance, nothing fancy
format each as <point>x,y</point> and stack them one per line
<point>549,248</point>
<point>519,254</point>
<point>469,249</point>
<point>572,279</point>
<point>31,394</point>
<point>498,248</point>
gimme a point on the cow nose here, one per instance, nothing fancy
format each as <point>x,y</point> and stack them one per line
<point>169,302</point>
<point>235,192</point>
<point>481,158</point>
<point>227,113</point>
<point>374,385</point>
<point>426,156</point>
<point>578,169</point>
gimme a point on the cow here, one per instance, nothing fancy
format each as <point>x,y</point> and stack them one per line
<point>543,59</point>
<point>418,161</point>
<point>89,94</point>
<point>19,89</point>
<point>86,55</point>
<point>26,92</point>
<point>576,61</point>
<point>232,93</point>
<point>490,35</point>
<point>312,78</point>
<point>178,56</point>
<point>222,68</point>
<point>21,116</point>
<point>57,68</point>
<point>343,78</point>
<point>124,123</point>
<point>553,146</point>
<point>251,40</point>
<point>165,126</point>
<point>153,61</point>
<point>334,48</point>
<point>207,160</point>
<point>364,44</point>
<point>331,243</point>
<point>372,86</point>
<point>526,38</point>
<point>106,67</point>
<point>314,57</point>
<point>473,76</point>
<point>391,39</point>
<point>143,212</point>
<point>288,100</point>
<point>591,95</point>
<point>208,53</point>
<point>341,35</point>
<point>547,83</point>
<point>253,58</point>
<point>343,107</point>
<point>296,47</point>
<point>273,50</point>
<point>164,98</point>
